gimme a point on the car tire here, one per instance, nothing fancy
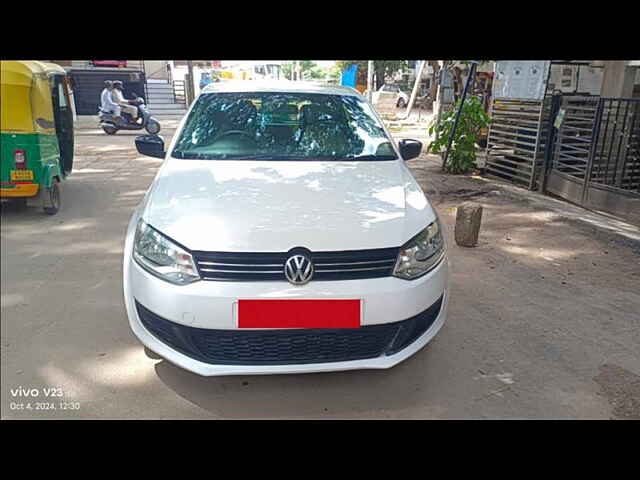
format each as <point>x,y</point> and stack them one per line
<point>109,130</point>
<point>401,103</point>
<point>52,199</point>
<point>153,127</point>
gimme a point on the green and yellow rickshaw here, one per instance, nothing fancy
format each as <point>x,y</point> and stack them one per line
<point>36,132</point>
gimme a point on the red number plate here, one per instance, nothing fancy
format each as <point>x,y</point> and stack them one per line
<point>299,314</point>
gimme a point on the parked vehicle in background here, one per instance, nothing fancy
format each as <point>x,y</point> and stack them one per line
<point>284,233</point>
<point>250,71</point>
<point>36,132</point>
<point>205,79</point>
<point>402,98</point>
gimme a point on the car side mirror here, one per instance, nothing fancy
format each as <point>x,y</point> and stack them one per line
<point>410,148</point>
<point>151,145</point>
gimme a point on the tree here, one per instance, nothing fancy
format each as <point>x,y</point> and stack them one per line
<point>454,67</point>
<point>382,68</point>
<point>309,69</point>
<point>435,65</point>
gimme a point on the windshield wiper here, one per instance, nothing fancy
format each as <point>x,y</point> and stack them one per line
<point>369,157</point>
<point>190,155</point>
<point>271,157</point>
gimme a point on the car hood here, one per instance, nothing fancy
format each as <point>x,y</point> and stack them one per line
<point>274,206</point>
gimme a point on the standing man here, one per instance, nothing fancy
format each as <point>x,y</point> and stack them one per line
<point>118,98</point>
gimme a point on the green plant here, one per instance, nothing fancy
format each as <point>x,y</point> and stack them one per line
<point>462,156</point>
<point>309,69</point>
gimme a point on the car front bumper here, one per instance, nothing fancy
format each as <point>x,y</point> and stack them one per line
<point>211,306</point>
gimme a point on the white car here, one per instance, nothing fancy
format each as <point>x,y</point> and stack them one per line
<point>284,233</point>
<point>402,98</point>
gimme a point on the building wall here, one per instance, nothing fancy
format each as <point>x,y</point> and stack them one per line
<point>618,80</point>
<point>82,64</point>
<point>156,69</point>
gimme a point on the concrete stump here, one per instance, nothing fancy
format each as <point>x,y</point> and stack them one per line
<point>468,219</point>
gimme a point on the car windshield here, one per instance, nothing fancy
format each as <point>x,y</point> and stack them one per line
<point>282,126</point>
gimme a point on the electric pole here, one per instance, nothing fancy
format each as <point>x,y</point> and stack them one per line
<point>191,87</point>
<point>370,81</point>
<point>470,79</point>
<point>416,87</point>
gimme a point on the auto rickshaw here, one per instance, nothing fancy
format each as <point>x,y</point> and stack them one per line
<point>36,133</point>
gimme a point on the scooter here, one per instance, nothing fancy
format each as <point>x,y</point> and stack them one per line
<point>110,125</point>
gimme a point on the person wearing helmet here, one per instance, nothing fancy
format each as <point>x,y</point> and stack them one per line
<point>118,98</point>
<point>107,104</point>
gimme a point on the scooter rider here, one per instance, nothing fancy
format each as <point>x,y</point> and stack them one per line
<point>124,104</point>
<point>107,104</point>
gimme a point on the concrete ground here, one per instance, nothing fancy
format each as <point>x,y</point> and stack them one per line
<point>544,320</point>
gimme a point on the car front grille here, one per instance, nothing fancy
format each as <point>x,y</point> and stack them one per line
<point>345,265</point>
<point>288,346</point>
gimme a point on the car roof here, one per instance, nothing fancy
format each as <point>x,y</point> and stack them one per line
<point>284,86</point>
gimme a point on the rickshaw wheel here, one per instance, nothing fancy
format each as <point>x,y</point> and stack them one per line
<point>53,197</point>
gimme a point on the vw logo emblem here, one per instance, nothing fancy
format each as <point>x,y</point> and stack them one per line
<point>298,269</point>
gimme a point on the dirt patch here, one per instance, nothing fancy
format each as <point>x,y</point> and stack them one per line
<point>622,389</point>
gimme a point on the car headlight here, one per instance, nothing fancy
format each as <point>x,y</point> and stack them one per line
<point>160,256</point>
<point>420,254</point>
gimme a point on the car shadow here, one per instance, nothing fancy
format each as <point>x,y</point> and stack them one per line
<point>347,394</point>
<point>11,209</point>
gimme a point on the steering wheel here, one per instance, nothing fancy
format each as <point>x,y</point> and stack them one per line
<point>234,132</point>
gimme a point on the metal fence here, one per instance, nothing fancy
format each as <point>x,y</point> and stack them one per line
<point>179,95</point>
<point>616,158</point>
<point>595,158</point>
<point>517,140</point>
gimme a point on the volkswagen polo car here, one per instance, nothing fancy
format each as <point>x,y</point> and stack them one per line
<point>283,233</point>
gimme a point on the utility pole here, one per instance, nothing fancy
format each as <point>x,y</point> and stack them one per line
<point>470,78</point>
<point>191,86</point>
<point>416,87</point>
<point>370,81</point>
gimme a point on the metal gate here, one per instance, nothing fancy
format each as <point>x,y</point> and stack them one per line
<point>88,84</point>
<point>595,161</point>
<point>517,140</point>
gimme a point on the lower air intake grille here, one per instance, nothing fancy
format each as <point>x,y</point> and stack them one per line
<point>292,346</point>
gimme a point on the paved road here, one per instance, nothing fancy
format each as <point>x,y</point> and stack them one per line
<point>543,322</point>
